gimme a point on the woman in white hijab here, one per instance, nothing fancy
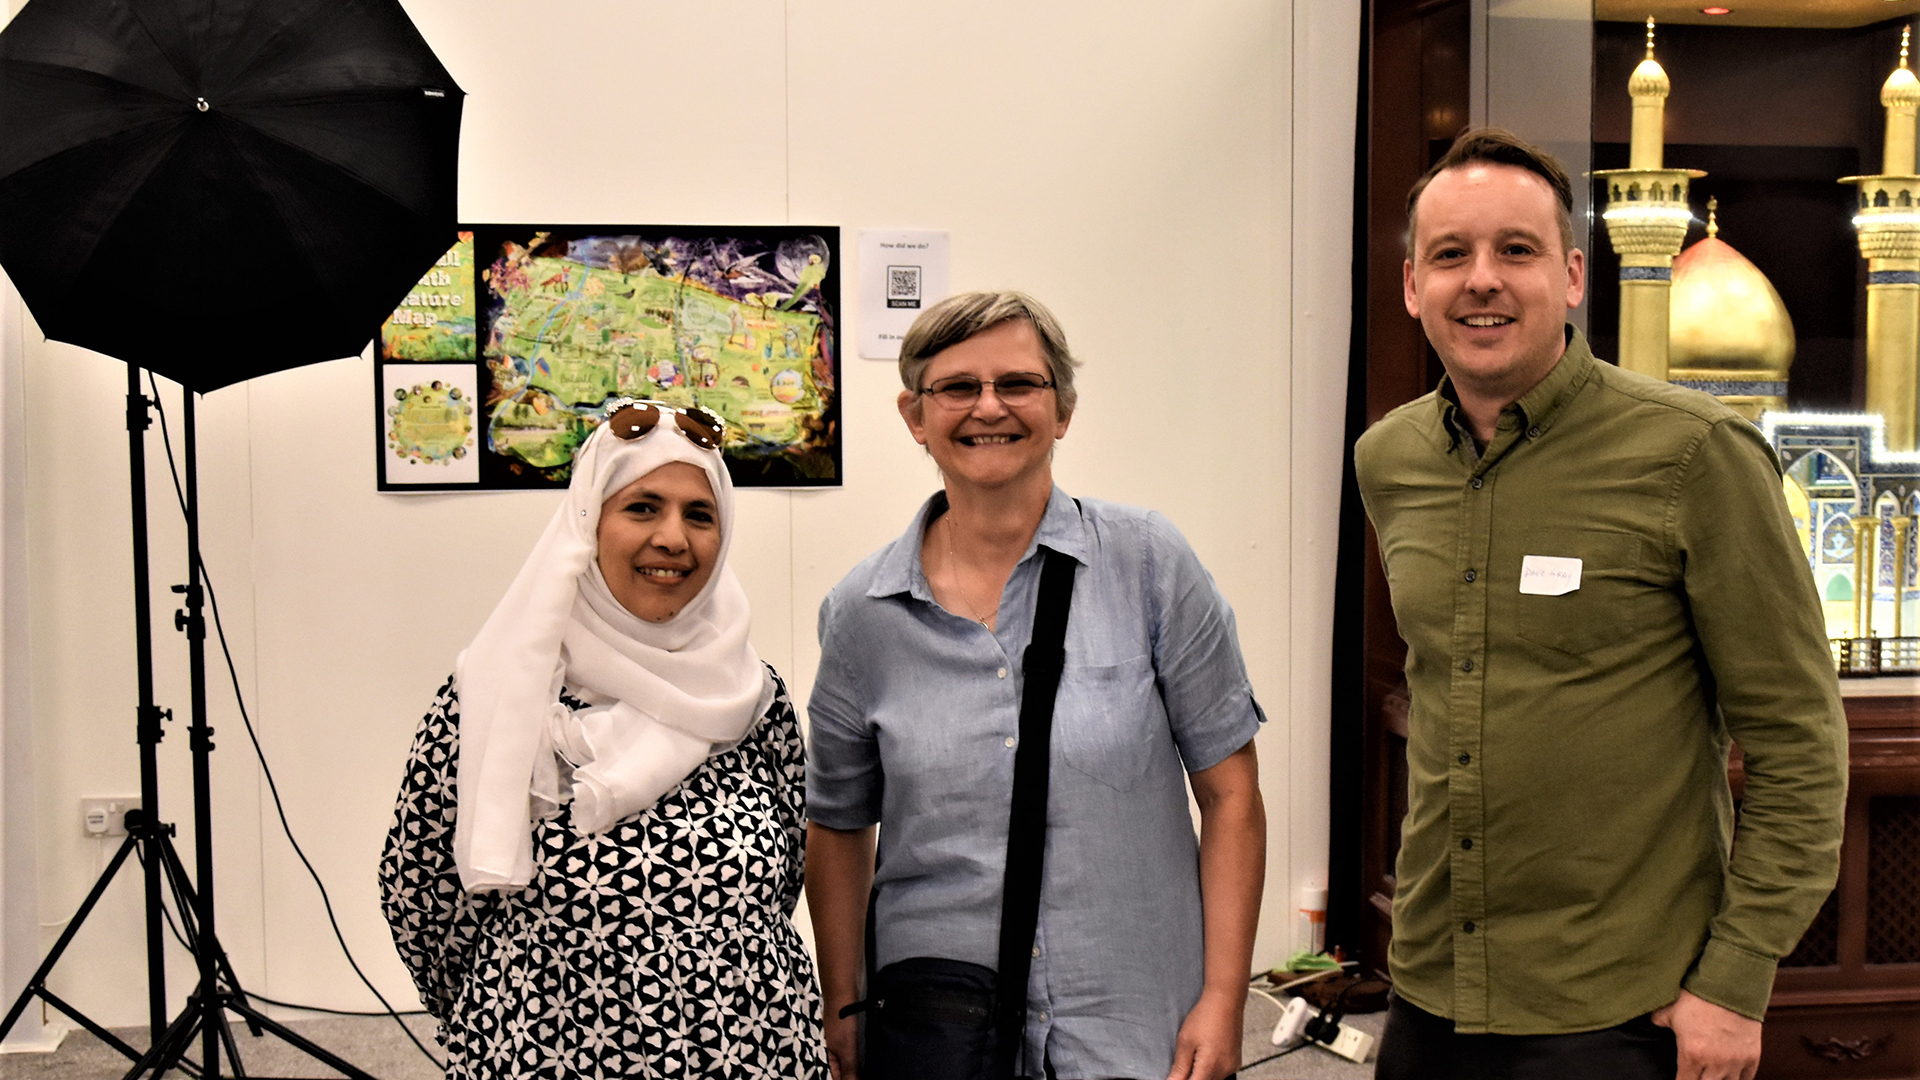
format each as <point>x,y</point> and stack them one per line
<point>598,846</point>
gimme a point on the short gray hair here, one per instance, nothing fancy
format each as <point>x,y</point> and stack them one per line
<point>966,315</point>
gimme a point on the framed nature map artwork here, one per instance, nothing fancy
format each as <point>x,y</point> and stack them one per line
<point>556,322</point>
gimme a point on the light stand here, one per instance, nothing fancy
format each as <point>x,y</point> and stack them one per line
<point>218,991</point>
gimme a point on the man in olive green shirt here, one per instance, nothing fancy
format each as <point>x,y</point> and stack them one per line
<point>1599,586</point>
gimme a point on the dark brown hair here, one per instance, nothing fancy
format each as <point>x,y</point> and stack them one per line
<point>1499,146</point>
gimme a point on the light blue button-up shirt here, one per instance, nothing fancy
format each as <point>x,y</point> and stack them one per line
<point>914,719</point>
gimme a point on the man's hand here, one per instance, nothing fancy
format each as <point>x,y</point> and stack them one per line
<point>843,1046</point>
<point>1209,1043</point>
<point>1715,1043</point>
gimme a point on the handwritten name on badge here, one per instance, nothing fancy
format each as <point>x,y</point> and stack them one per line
<point>1549,575</point>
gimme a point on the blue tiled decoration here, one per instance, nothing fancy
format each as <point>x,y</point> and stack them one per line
<point>1837,468</point>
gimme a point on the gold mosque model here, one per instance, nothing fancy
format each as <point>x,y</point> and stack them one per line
<point>1707,318</point>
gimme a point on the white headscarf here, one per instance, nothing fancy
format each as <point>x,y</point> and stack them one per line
<point>664,695</point>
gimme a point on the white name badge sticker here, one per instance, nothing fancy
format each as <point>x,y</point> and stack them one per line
<point>1549,575</point>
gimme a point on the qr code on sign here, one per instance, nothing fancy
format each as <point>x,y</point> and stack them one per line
<point>903,286</point>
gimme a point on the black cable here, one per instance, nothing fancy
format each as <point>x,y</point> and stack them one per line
<point>1277,1054</point>
<point>174,928</point>
<point>233,674</point>
<point>333,1012</point>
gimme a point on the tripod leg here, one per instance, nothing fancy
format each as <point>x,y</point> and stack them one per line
<point>93,1028</point>
<point>235,1000</point>
<point>170,1050</point>
<point>186,902</point>
<point>38,982</point>
<point>218,1017</point>
<point>312,1049</point>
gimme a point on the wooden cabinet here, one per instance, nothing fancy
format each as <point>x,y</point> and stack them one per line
<point>1846,1004</point>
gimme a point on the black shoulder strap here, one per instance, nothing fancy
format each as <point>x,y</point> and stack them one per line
<point>1027,822</point>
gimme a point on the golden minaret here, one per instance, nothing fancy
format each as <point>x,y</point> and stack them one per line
<point>1889,226</point>
<point>1647,218</point>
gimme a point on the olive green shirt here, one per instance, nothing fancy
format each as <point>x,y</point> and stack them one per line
<point>1567,861</point>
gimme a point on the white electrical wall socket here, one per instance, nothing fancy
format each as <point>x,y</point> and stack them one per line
<point>1352,1043</point>
<point>1293,1022</point>
<point>107,815</point>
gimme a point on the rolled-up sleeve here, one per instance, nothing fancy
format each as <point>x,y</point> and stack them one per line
<point>1758,618</point>
<point>844,778</point>
<point>1196,652</point>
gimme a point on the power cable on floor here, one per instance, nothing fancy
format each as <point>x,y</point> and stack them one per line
<point>173,928</point>
<point>333,1012</point>
<point>233,674</point>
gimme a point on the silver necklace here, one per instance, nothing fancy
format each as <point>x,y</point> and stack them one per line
<point>953,568</point>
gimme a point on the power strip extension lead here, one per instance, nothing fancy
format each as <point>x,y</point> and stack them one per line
<point>1293,1023</point>
<point>1343,1039</point>
<point>1298,1024</point>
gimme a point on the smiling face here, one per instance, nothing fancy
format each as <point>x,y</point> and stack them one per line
<point>1489,278</point>
<point>659,539</point>
<point>991,444</point>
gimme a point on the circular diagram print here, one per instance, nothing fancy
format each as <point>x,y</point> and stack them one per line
<point>787,386</point>
<point>430,423</point>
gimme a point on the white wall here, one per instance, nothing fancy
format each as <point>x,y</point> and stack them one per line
<point>20,946</point>
<point>1175,182</point>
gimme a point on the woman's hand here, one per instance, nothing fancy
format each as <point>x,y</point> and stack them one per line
<point>843,1046</point>
<point>1233,846</point>
<point>839,877</point>
<point>1209,1043</point>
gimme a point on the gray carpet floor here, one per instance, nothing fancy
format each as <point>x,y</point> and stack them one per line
<point>376,1046</point>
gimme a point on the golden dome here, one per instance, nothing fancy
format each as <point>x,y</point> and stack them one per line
<point>1650,80</point>
<point>1726,316</point>
<point>1901,88</point>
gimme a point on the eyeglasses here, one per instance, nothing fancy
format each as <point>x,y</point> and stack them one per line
<point>961,391</point>
<point>633,418</point>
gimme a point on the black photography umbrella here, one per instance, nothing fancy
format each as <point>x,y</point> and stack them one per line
<point>218,189</point>
<point>212,190</point>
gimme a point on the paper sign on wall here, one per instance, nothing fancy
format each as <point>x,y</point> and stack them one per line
<point>903,272</point>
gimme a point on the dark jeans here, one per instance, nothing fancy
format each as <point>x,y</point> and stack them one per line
<point>1050,1076</point>
<point>1418,1045</point>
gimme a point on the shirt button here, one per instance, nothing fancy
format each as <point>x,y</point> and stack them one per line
<point>1468,928</point>
<point>1036,952</point>
<point>1476,483</point>
<point>1011,740</point>
<point>1466,665</point>
<point>1467,844</point>
<point>1001,674</point>
<point>1466,759</point>
<point>1470,576</point>
<point>1533,432</point>
<point>1043,1018</point>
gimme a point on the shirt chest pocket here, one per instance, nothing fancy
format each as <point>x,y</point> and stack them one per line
<point>1606,609</point>
<point>1108,720</point>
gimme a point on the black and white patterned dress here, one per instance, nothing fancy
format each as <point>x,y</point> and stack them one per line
<point>664,947</point>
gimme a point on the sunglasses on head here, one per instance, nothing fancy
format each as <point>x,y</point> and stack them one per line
<point>633,418</point>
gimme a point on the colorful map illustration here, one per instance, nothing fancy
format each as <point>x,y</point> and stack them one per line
<point>435,320</point>
<point>743,322</point>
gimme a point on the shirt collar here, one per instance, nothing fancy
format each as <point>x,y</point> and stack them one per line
<point>1538,407</point>
<point>1061,528</point>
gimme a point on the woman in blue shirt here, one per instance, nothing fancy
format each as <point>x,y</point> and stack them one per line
<point>1145,937</point>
